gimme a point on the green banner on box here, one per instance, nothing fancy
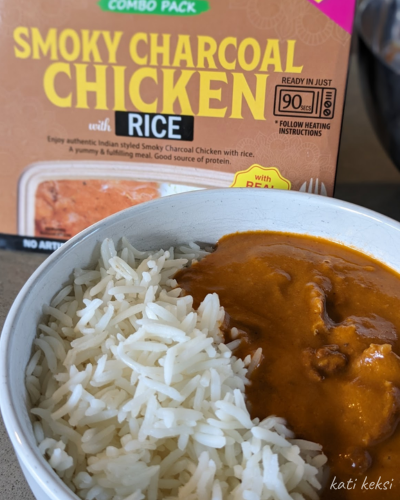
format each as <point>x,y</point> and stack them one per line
<point>158,7</point>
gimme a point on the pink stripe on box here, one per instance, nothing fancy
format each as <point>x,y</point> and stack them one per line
<point>340,11</point>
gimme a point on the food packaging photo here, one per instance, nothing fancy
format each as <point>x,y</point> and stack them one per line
<point>198,94</point>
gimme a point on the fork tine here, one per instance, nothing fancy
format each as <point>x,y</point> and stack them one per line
<point>316,186</point>
<point>303,188</point>
<point>310,186</point>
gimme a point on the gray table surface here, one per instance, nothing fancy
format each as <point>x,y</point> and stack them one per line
<point>365,176</point>
<point>15,269</point>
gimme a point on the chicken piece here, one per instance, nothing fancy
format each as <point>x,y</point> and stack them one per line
<point>371,401</point>
<point>377,364</point>
<point>356,333</point>
<point>373,327</point>
<point>318,288</point>
<point>324,362</point>
<point>356,460</point>
<point>370,414</point>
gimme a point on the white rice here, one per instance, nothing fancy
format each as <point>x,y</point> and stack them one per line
<point>137,397</point>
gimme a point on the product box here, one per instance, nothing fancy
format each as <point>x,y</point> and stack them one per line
<point>107,104</point>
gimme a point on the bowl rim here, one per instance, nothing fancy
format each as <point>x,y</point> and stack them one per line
<point>17,432</point>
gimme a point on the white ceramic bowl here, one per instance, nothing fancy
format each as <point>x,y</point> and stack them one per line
<point>198,216</point>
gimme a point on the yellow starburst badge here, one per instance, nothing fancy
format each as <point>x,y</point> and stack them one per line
<point>260,177</point>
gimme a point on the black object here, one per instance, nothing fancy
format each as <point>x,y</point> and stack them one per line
<point>154,126</point>
<point>379,60</point>
<point>383,198</point>
<point>29,243</point>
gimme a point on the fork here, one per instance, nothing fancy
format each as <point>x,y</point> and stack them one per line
<point>319,187</point>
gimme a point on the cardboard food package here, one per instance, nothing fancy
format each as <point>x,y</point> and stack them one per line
<point>107,104</point>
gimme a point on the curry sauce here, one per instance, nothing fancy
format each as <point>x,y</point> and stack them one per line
<point>327,319</point>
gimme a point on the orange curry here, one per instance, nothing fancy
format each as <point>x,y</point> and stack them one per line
<point>327,319</point>
<point>64,208</point>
